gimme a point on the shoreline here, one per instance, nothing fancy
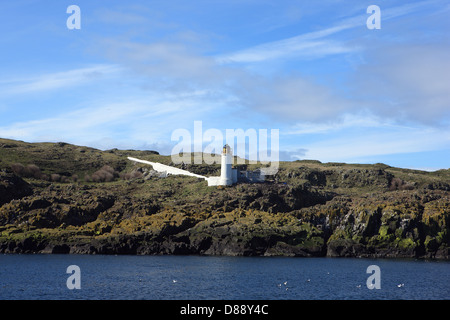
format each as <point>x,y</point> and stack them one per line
<point>96,247</point>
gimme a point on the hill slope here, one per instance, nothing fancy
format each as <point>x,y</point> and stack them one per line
<point>57,197</point>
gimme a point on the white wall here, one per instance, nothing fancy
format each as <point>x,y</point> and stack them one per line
<point>168,169</point>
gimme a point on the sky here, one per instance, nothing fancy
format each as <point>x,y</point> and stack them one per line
<point>136,71</point>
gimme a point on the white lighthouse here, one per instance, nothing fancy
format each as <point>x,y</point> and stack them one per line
<point>226,173</point>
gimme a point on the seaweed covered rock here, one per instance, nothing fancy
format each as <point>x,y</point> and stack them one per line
<point>408,225</point>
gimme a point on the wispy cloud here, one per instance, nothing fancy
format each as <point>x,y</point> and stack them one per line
<point>292,99</point>
<point>411,82</point>
<point>347,121</point>
<point>57,80</point>
<point>305,45</point>
<point>81,123</point>
<point>288,48</point>
<point>108,15</point>
<point>112,122</point>
<point>314,44</point>
<point>403,140</point>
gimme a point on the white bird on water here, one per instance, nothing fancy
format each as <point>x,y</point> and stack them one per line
<point>285,283</point>
<point>401,285</point>
<point>174,281</point>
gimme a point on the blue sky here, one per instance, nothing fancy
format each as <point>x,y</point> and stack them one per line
<point>138,70</point>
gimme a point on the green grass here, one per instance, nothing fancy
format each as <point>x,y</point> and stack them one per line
<point>337,178</point>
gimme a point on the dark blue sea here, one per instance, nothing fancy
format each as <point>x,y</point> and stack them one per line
<point>35,277</point>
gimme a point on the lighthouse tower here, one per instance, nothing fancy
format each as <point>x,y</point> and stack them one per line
<point>226,173</point>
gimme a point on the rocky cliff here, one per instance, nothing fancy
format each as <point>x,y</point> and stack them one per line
<point>61,198</point>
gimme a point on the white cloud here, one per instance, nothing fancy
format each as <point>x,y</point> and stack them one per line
<point>141,121</point>
<point>350,148</point>
<point>290,155</point>
<point>315,44</point>
<point>82,124</point>
<point>57,80</point>
<point>407,82</point>
<point>343,122</point>
<point>171,64</point>
<point>304,46</point>
<point>110,16</point>
<point>293,99</point>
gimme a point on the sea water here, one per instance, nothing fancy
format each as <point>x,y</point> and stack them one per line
<point>211,277</point>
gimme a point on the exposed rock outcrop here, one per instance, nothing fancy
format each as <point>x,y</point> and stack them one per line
<point>307,209</point>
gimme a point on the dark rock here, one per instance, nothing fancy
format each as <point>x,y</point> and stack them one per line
<point>13,187</point>
<point>343,248</point>
<point>60,249</point>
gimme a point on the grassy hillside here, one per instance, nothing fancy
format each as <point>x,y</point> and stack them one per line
<point>58,197</point>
